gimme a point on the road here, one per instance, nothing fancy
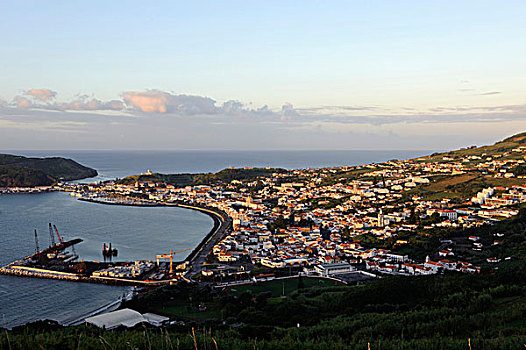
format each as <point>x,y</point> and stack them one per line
<point>223,225</point>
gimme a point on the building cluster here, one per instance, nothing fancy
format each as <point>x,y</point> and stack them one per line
<point>135,270</point>
<point>319,216</point>
<point>35,189</point>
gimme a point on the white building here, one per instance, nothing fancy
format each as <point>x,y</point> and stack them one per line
<point>328,270</point>
<point>125,318</point>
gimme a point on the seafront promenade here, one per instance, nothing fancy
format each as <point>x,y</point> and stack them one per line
<point>197,258</point>
<point>222,225</point>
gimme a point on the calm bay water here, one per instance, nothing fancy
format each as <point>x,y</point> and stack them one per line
<point>138,232</point>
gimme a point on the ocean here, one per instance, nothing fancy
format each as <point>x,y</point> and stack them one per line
<point>137,232</point>
<point>118,164</point>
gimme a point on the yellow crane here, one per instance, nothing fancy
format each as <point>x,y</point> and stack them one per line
<point>170,256</point>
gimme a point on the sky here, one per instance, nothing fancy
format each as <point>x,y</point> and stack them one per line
<point>263,75</point>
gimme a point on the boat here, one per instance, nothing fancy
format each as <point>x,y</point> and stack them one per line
<point>108,251</point>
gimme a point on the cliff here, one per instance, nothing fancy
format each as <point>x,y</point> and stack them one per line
<point>23,171</point>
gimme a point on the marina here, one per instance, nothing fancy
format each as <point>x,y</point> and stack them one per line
<point>56,262</point>
<point>26,299</point>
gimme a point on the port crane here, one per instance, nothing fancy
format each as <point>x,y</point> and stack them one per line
<point>170,256</point>
<point>58,235</point>
<point>51,235</point>
<point>36,243</point>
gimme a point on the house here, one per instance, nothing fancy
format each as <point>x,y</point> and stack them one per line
<point>448,264</point>
<point>388,269</point>
<point>416,269</point>
<point>433,265</point>
<point>371,265</point>
<point>156,320</point>
<point>446,253</point>
<point>449,214</point>
<point>397,257</point>
<point>328,270</point>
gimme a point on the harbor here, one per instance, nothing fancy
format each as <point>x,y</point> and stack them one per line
<point>60,261</point>
<point>57,263</point>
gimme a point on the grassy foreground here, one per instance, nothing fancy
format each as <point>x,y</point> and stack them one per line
<point>429,312</point>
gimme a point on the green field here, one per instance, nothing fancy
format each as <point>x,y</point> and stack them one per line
<point>277,287</point>
<point>190,311</point>
<point>461,186</point>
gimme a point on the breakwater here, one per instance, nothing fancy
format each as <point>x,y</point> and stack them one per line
<point>222,224</point>
<point>24,271</point>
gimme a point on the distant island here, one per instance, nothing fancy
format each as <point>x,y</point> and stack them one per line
<point>19,171</point>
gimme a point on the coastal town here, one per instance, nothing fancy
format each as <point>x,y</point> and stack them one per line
<point>346,221</point>
<point>263,175</point>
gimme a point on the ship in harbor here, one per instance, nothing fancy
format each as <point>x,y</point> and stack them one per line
<point>108,251</point>
<point>56,252</point>
<point>55,261</point>
<point>60,261</point>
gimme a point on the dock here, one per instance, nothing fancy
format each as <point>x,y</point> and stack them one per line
<point>55,263</point>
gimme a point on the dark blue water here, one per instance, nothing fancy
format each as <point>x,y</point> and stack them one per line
<point>138,232</point>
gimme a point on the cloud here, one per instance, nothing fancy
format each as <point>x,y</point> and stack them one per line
<point>22,102</point>
<point>237,126</point>
<point>83,104</point>
<point>41,94</point>
<point>233,107</point>
<point>288,112</point>
<point>490,93</point>
<point>155,101</point>
<point>43,99</point>
<point>335,109</point>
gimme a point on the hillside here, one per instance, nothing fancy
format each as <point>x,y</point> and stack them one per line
<point>14,177</point>
<point>223,176</point>
<point>428,312</point>
<point>499,165</point>
<point>23,171</point>
<point>438,311</point>
<point>501,149</point>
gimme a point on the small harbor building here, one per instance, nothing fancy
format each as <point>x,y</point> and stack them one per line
<point>125,318</point>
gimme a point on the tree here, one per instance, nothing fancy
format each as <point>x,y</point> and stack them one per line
<point>301,284</point>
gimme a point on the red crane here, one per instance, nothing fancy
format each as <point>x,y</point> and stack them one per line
<point>58,235</point>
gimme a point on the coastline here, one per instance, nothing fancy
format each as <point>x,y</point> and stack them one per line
<point>221,224</point>
<point>219,219</point>
<point>111,306</point>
